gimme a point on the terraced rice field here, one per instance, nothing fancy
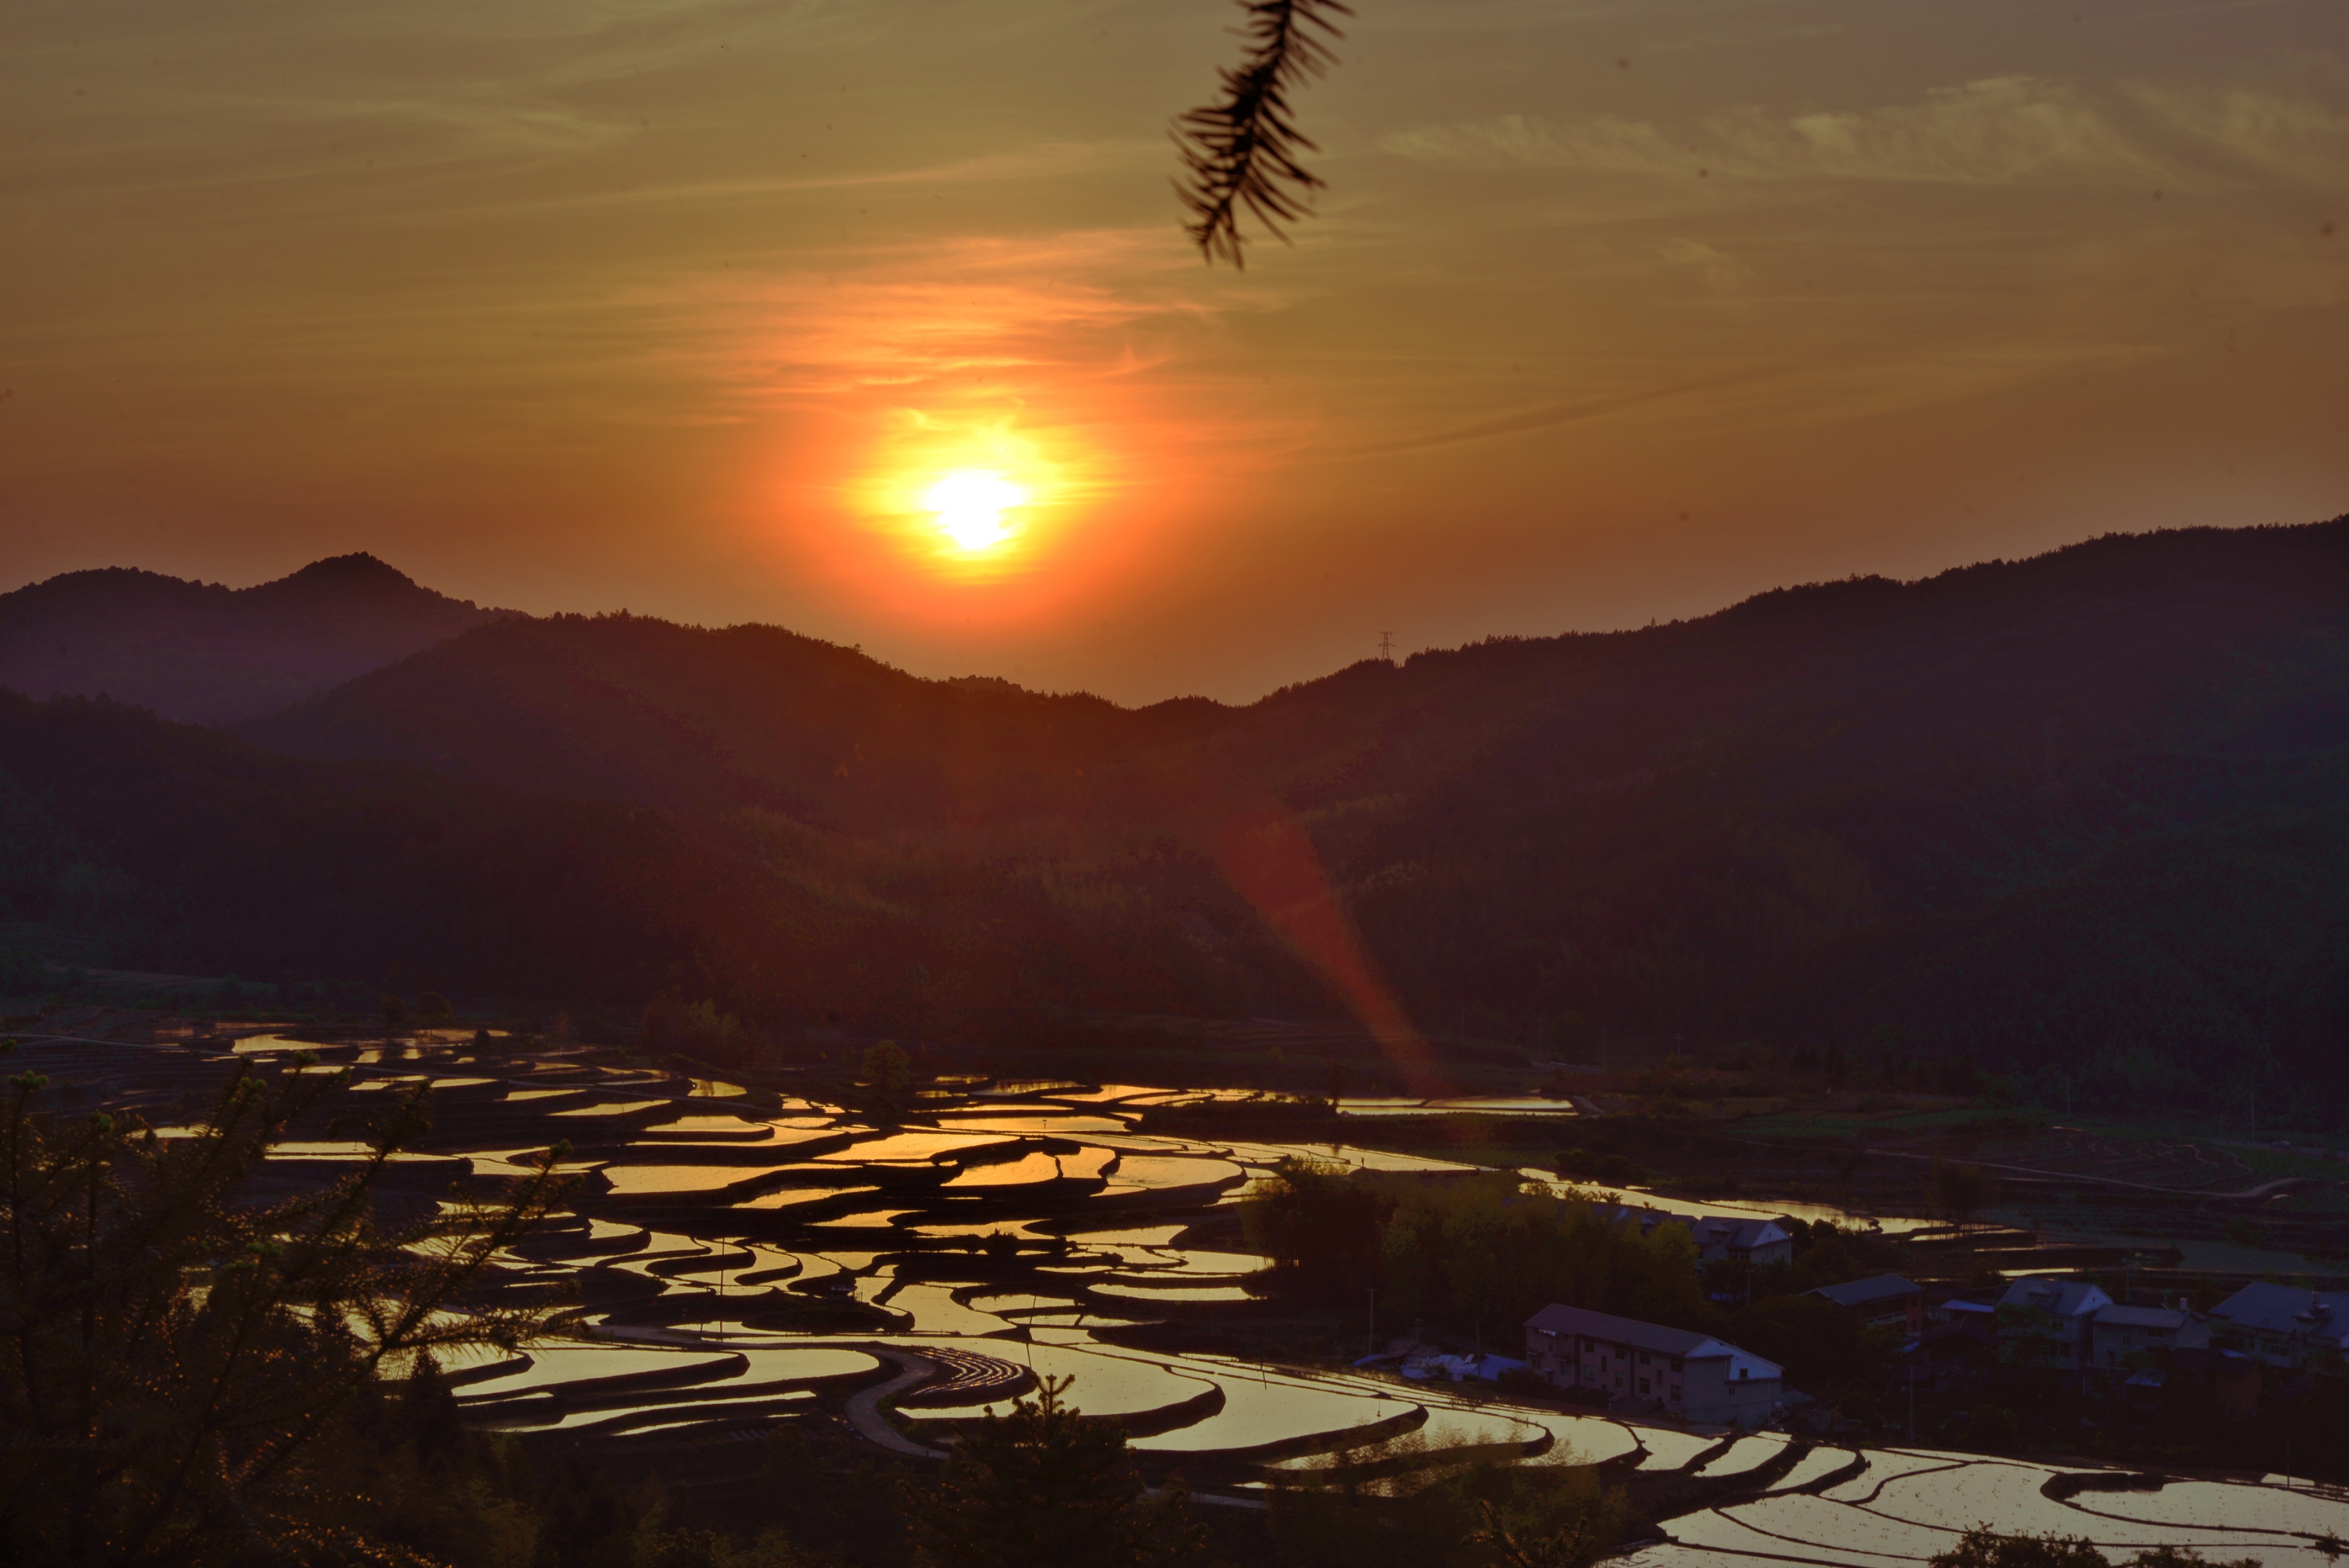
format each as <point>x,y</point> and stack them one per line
<point>740,1260</point>
<point>1908,1505</point>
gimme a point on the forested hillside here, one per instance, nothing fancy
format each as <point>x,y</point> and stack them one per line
<point>187,851</point>
<point>2084,817</point>
<point>629,707</point>
<point>2086,814</point>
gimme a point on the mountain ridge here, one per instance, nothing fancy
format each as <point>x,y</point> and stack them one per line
<point>205,652</point>
<point>390,714</point>
<point>2087,812</point>
<point>637,708</point>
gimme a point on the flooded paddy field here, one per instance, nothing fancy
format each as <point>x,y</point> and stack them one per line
<point>736,1261</point>
<point>1910,1504</point>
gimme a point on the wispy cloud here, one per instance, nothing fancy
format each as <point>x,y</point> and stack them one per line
<point>1044,160</point>
<point>1551,415</point>
<point>2001,131</point>
<point>2296,138</point>
<point>1994,131</point>
<point>988,312</point>
<point>1051,335</point>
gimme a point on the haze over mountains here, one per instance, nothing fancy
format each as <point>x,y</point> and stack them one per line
<point>2083,815</point>
<point>208,654</point>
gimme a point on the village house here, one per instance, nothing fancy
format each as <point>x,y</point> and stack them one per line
<point>1886,1301</point>
<point>1617,1216</point>
<point>1678,1371</point>
<point>2052,1320</point>
<point>1757,1241</point>
<point>2296,1329</point>
<point>2133,1338</point>
<point>2070,1325</point>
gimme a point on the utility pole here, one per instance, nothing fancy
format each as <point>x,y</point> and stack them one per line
<point>1373,1347</point>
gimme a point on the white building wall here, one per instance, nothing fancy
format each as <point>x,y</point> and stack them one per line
<point>1732,1388</point>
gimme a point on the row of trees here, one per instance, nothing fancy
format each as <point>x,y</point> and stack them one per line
<point>1983,1547</point>
<point>1480,1255</point>
<point>1487,1248</point>
<point>701,1030</point>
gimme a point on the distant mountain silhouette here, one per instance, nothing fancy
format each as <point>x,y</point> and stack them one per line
<point>628,708</point>
<point>2086,814</point>
<point>203,652</point>
<point>2082,816</point>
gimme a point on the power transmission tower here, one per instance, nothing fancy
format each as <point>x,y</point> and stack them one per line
<point>1386,646</point>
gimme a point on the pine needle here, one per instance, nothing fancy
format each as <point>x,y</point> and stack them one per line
<point>1243,153</point>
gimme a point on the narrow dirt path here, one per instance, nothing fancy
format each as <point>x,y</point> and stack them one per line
<point>865,1410</point>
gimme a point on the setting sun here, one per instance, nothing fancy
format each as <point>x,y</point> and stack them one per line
<point>970,503</point>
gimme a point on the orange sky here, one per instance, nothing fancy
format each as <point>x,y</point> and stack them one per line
<point>1614,310</point>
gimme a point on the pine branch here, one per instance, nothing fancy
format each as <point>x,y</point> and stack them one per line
<point>1243,153</point>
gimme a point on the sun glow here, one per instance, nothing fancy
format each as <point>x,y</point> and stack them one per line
<point>970,449</point>
<point>970,503</point>
<point>973,502</point>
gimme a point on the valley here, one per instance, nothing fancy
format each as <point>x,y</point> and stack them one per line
<point>874,1265</point>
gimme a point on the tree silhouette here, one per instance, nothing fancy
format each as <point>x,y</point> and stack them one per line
<point>1242,151</point>
<point>174,1354</point>
<point>1046,1485</point>
<point>1983,1547</point>
<point>1959,1190</point>
<point>1575,1542</point>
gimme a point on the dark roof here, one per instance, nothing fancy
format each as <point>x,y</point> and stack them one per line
<point>1649,1336</point>
<point>2065,1298</point>
<point>1860,1293</point>
<point>2280,1309</point>
<point>1716,1229</point>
